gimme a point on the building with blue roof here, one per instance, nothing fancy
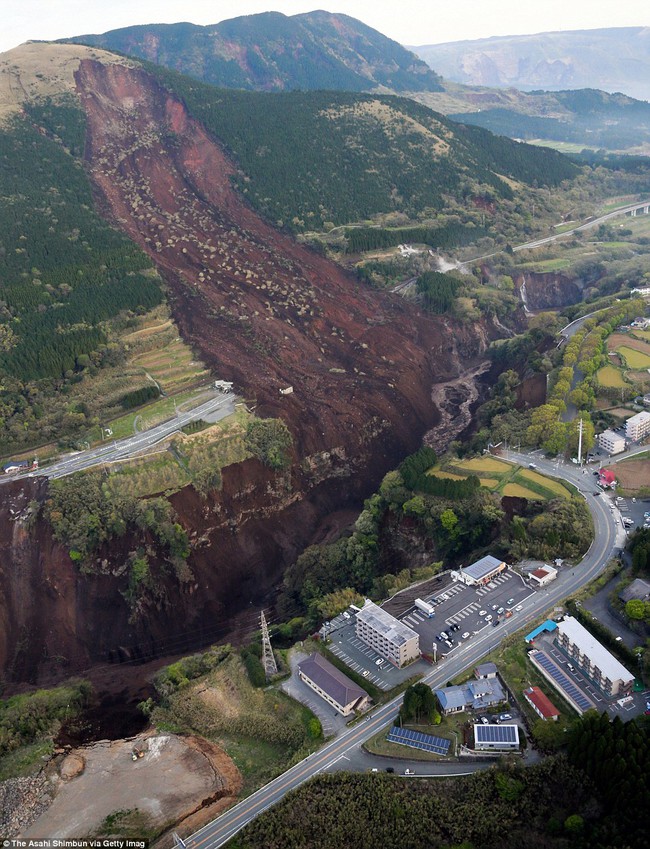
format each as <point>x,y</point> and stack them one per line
<point>474,695</point>
<point>480,572</point>
<point>549,625</point>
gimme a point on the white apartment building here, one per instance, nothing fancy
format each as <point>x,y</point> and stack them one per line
<point>611,442</point>
<point>388,636</point>
<point>638,426</point>
<point>592,657</point>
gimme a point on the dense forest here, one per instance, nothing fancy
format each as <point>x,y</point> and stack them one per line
<point>64,271</point>
<point>446,236</point>
<point>546,806</point>
<point>316,159</point>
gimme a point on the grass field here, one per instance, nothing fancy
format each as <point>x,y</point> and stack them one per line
<point>437,473</point>
<point>610,377</point>
<point>261,729</point>
<point>489,483</point>
<point>548,483</point>
<point>634,358</point>
<point>183,457</point>
<point>484,464</point>
<point>519,491</point>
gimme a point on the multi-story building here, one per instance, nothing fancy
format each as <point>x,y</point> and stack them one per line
<point>601,667</point>
<point>636,427</point>
<point>611,442</point>
<point>388,636</point>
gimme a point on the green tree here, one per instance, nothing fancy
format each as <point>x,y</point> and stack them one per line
<point>270,441</point>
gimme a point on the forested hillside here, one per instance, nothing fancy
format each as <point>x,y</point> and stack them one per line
<point>63,270</point>
<point>310,159</point>
<point>273,52</point>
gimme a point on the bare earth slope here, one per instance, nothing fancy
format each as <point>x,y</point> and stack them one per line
<point>266,313</point>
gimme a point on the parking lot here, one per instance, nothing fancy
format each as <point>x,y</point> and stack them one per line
<point>624,708</point>
<point>366,662</point>
<point>462,611</point>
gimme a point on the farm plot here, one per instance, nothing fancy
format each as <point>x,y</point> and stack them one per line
<point>545,483</point>
<point>635,358</point>
<point>485,464</point>
<point>610,377</point>
<point>516,489</point>
<point>633,475</point>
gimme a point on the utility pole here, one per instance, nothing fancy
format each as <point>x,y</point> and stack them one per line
<point>580,441</point>
<point>268,661</point>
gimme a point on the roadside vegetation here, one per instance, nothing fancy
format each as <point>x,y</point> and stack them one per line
<point>29,723</point>
<point>214,695</point>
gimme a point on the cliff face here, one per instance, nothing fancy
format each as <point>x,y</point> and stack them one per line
<point>266,313</point>
<point>542,291</point>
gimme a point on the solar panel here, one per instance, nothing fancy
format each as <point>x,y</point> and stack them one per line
<point>567,685</point>
<point>418,740</point>
<point>496,733</point>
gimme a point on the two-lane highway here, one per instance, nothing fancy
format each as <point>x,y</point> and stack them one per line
<point>608,538</point>
<point>215,408</point>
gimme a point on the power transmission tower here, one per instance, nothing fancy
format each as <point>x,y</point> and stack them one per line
<point>268,661</point>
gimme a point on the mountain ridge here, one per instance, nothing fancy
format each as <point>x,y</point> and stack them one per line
<point>275,52</point>
<point>614,59</point>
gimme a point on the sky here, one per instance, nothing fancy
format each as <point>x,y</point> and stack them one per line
<point>411,22</point>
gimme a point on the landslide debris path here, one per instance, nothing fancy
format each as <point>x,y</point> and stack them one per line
<point>264,311</point>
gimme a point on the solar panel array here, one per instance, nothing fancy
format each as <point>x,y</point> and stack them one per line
<point>496,733</point>
<point>567,685</point>
<point>417,740</point>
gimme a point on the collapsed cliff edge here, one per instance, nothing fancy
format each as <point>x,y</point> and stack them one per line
<point>266,313</point>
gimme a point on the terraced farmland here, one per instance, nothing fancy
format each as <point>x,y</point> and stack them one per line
<point>504,478</point>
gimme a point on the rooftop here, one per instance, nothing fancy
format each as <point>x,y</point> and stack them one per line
<point>331,680</point>
<point>541,702</point>
<point>508,734</point>
<point>638,418</point>
<point>484,566</point>
<point>395,631</point>
<point>637,589</point>
<point>595,651</point>
<point>488,668</point>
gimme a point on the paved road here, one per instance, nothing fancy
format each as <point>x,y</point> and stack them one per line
<point>588,225</point>
<point>608,539</point>
<point>217,407</point>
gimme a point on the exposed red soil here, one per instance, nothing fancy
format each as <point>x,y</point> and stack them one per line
<point>266,313</point>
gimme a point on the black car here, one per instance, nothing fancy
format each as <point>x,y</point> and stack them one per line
<point>390,769</point>
<point>439,638</point>
<point>596,493</point>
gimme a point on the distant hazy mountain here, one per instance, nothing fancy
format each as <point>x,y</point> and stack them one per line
<point>610,59</point>
<point>273,52</point>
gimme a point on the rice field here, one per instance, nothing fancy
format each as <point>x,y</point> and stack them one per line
<point>516,489</point>
<point>485,464</point>
<point>548,483</point>
<point>489,483</point>
<point>634,359</point>
<point>610,377</point>
<point>438,473</point>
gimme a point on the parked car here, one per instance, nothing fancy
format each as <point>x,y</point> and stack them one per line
<point>379,661</point>
<point>504,717</point>
<point>571,667</point>
<point>496,622</point>
<point>465,636</point>
<point>494,606</point>
<point>443,635</point>
<point>454,627</point>
<point>500,611</point>
<point>488,618</point>
<point>510,601</point>
<point>485,720</point>
<point>519,607</point>
<point>482,613</point>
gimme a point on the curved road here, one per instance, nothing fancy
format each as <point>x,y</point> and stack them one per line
<point>216,408</point>
<point>609,537</point>
<point>536,243</point>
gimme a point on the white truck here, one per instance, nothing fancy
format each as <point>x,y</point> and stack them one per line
<point>425,607</point>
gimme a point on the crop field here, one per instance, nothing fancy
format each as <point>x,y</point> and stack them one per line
<point>173,366</point>
<point>644,335</point>
<point>548,483</point>
<point>634,357</point>
<point>508,479</point>
<point>516,489</point>
<point>437,473</point>
<point>618,340</point>
<point>610,377</point>
<point>633,474</point>
<point>484,464</point>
